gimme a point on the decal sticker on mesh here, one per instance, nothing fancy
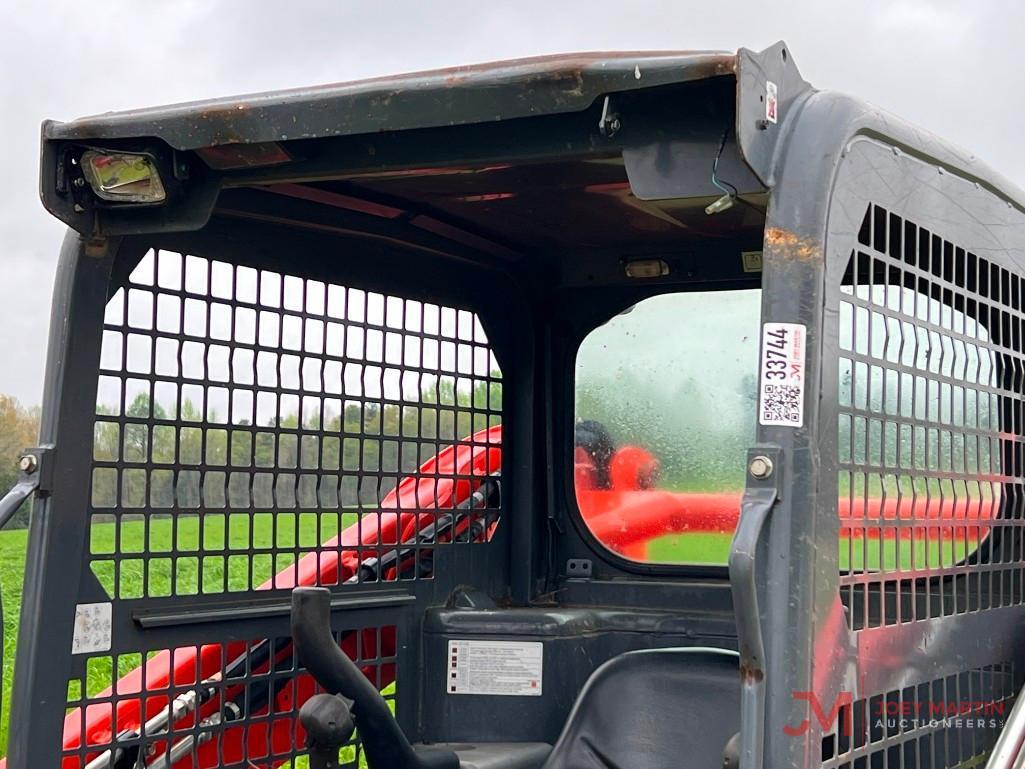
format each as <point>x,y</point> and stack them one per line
<point>92,628</point>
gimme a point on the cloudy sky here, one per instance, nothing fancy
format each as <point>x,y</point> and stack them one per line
<point>948,66</point>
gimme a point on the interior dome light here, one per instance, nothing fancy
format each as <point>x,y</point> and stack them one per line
<point>646,268</point>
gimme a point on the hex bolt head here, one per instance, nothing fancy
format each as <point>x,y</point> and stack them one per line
<point>28,464</point>
<point>760,467</point>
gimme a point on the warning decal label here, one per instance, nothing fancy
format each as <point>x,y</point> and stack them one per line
<point>495,667</point>
<point>92,628</point>
<point>771,101</point>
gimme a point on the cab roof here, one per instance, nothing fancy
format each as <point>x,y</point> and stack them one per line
<point>444,97</point>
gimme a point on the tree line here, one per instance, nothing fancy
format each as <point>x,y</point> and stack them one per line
<point>311,460</point>
<point>19,429</point>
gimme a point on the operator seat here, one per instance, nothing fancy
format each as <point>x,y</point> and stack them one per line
<point>653,709</point>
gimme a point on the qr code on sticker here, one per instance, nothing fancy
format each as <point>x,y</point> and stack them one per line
<point>781,403</point>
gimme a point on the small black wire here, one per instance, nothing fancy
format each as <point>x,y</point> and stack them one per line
<point>732,191</point>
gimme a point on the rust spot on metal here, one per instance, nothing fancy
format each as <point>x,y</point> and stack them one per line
<point>751,675</point>
<point>791,246</point>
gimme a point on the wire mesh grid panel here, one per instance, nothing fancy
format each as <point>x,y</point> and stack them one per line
<point>930,410</point>
<point>946,722</point>
<point>247,418</point>
<point>174,712</point>
<point>929,362</point>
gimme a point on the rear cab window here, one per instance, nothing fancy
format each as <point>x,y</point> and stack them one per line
<point>665,407</point>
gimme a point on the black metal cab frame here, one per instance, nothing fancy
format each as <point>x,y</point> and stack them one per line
<point>901,258</point>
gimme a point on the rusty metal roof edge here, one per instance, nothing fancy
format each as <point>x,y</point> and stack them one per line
<point>460,95</point>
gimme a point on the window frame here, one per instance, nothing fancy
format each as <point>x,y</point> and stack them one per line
<point>565,430</point>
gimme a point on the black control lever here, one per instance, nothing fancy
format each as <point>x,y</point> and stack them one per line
<point>385,745</point>
<point>327,719</point>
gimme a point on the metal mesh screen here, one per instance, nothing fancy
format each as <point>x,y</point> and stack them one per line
<point>246,417</point>
<point>263,689</point>
<point>257,430</point>
<point>947,722</point>
<point>929,432</point>
<point>930,503</point>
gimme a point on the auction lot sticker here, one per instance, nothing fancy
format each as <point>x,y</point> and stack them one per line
<point>781,374</point>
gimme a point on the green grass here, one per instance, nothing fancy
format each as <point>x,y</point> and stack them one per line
<point>209,551</point>
<point>870,554</point>
<point>707,549</point>
<point>12,574</point>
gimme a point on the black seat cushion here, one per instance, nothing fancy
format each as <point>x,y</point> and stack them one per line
<point>653,709</point>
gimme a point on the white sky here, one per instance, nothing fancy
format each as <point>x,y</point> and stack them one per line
<point>406,346</point>
<point>708,336</point>
<point>950,67</point>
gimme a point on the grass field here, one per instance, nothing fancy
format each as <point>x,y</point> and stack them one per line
<point>225,567</point>
<point>289,531</point>
<point>12,572</point>
<point>871,554</point>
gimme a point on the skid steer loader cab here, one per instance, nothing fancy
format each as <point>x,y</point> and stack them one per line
<point>615,410</point>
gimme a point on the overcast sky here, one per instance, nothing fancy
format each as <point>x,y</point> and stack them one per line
<point>949,66</point>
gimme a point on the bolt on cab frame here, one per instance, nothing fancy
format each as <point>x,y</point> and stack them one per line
<point>335,337</point>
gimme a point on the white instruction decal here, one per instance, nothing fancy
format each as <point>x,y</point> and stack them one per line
<point>771,102</point>
<point>495,667</point>
<point>781,377</point>
<point>92,628</point>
